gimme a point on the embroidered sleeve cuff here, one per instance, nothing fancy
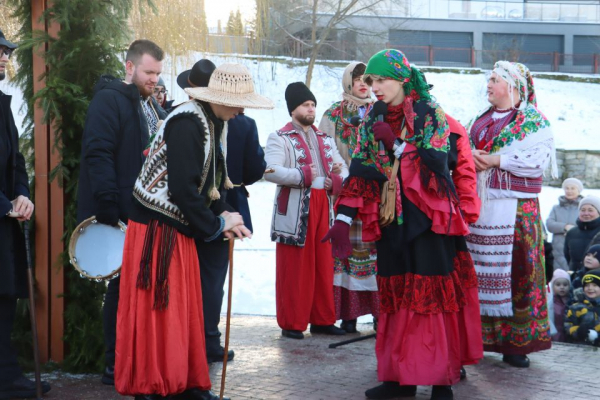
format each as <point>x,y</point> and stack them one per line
<point>218,232</point>
<point>307,175</point>
<point>344,218</point>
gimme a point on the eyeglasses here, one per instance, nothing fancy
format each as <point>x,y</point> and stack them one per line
<point>157,91</point>
<point>5,50</point>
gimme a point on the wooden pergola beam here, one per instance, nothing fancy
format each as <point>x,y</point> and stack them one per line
<point>49,219</point>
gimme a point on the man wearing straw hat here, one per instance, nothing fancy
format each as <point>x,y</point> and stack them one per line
<point>308,170</point>
<point>178,197</point>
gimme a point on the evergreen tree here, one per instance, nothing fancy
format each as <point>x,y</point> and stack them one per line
<point>239,24</point>
<point>90,39</point>
<point>230,28</point>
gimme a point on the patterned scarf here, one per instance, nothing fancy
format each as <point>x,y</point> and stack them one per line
<point>351,102</point>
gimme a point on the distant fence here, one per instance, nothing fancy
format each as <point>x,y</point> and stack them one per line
<point>485,59</point>
<point>420,55</point>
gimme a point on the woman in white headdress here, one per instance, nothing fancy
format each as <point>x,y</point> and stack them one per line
<point>512,146</point>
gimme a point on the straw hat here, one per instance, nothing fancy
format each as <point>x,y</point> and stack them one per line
<point>231,85</point>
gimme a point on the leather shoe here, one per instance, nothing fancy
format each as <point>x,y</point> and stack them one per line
<point>108,377</point>
<point>442,393</point>
<point>516,360</point>
<point>197,394</point>
<point>150,397</point>
<point>292,334</point>
<point>463,373</point>
<point>327,329</point>
<point>391,390</point>
<point>22,388</point>
<point>218,356</point>
<point>349,326</point>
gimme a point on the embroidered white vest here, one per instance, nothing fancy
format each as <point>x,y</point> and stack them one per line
<point>151,188</point>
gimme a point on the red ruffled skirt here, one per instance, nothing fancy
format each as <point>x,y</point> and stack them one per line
<point>160,351</point>
<point>428,348</point>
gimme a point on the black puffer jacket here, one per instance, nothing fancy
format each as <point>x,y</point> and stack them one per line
<point>114,138</point>
<point>578,240</point>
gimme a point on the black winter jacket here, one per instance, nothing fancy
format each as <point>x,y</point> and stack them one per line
<point>578,240</point>
<point>245,163</point>
<point>114,138</point>
<point>13,183</point>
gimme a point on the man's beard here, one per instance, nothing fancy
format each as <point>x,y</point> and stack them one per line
<point>306,120</point>
<point>141,87</point>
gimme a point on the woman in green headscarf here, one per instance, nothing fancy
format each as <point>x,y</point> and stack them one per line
<point>429,318</point>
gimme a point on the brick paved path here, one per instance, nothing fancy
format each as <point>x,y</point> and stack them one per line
<point>267,366</point>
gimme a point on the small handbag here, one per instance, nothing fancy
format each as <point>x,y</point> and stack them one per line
<point>387,207</point>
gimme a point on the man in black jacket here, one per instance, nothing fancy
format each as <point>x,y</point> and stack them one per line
<point>14,206</point>
<point>245,165</point>
<point>120,120</point>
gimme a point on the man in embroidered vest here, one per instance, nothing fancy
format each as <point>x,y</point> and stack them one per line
<point>308,170</point>
<point>178,198</point>
<point>120,119</point>
<point>512,146</point>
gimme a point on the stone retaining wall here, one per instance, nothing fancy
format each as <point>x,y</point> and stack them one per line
<point>580,164</point>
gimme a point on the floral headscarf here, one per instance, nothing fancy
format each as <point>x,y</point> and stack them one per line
<point>393,64</point>
<point>514,75</point>
<point>531,97</point>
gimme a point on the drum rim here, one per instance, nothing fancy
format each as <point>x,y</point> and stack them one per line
<point>73,260</point>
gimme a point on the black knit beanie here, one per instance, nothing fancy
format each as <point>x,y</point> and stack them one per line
<point>592,276</point>
<point>297,93</point>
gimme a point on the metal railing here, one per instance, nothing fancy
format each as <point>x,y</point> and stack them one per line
<point>576,11</point>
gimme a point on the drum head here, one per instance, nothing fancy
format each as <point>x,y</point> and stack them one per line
<point>96,250</point>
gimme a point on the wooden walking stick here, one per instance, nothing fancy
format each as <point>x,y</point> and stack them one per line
<point>30,281</point>
<point>228,323</point>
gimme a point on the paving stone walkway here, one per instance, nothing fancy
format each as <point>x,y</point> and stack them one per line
<point>267,366</point>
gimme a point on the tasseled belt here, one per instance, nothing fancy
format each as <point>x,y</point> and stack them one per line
<point>166,244</point>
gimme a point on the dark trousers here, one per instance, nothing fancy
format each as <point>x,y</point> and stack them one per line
<point>213,257</point>
<point>9,368</point>
<point>109,320</point>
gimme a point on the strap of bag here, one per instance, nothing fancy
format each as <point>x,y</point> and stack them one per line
<point>396,162</point>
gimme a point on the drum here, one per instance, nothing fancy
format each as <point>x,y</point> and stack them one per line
<point>96,250</point>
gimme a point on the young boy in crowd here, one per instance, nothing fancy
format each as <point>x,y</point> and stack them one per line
<point>582,324</point>
<point>590,262</point>
<point>559,299</point>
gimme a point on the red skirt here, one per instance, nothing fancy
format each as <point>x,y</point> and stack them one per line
<point>419,348</point>
<point>160,351</point>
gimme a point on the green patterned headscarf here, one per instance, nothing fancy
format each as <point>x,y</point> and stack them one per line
<point>391,63</point>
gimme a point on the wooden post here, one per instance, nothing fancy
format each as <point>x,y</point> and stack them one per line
<point>49,218</point>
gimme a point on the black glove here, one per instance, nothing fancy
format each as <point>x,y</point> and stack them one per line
<point>108,212</point>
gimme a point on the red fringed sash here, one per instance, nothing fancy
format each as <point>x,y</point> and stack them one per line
<point>167,237</point>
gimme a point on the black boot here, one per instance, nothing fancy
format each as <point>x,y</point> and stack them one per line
<point>442,393</point>
<point>150,397</point>
<point>349,325</point>
<point>326,329</point>
<point>292,334</point>
<point>463,373</point>
<point>22,388</point>
<point>516,360</point>
<point>219,355</point>
<point>375,321</point>
<point>198,394</point>
<point>390,390</point>
<point>108,377</point>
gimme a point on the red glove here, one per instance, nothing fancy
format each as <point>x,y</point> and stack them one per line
<point>340,240</point>
<point>383,132</point>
